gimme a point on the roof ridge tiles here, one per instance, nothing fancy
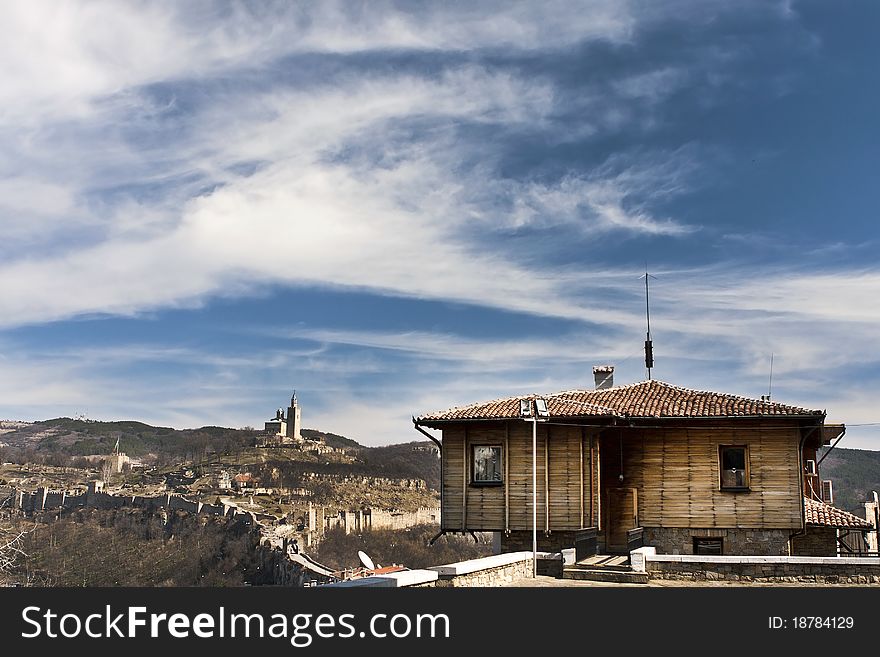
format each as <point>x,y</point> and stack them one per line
<point>648,398</point>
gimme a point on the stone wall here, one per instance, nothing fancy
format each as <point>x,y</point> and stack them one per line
<point>501,576</point>
<point>811,570</point>
<point>394,519</point>
<point>816,542</point>
<point>747,542</point>
<point>494,571</point>
<point>498,570</point>
<point>316,519</point>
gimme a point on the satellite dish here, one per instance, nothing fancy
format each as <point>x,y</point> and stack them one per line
<point>366,561</point>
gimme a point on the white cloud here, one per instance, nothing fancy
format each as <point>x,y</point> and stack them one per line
<point>308,217</point>
<point>60,56</point>
<point>118,199</point>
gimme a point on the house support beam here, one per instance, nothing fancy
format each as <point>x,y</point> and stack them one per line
<point>507,476</point>
<point>598,483</point>
<point>592,522</point>
<point>464,479</point>
<point>581,450</point>
<point>547,480</point>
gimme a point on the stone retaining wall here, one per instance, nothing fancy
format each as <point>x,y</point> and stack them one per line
<point>497,570</point>
<point>674,540</point>
<point>490,577</point>
<point>818,570</point>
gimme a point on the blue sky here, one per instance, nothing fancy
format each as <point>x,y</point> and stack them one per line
<point>401,207</point>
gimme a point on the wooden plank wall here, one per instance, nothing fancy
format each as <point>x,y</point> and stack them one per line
<point>563,466</point>
<point>676,472</point>
<point>521,476</point>
<point>451,517</point>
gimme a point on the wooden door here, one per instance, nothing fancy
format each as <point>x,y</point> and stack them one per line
<point>621,515</point>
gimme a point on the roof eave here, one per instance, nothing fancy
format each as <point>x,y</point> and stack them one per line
<point>509,418</point>
<point>840,526</point>
<point>437,422</point>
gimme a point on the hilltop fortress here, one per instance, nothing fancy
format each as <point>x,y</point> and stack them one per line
<point>285,430</point>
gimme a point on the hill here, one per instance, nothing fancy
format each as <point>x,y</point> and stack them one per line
<point>332,439</point>
<point>64,442</point>
<point>855,473</point>
<point>54,441</point>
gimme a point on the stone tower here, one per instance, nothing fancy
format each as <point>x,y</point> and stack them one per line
<point>293,420</point>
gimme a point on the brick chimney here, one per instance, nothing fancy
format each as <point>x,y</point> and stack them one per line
<point>603,376</point>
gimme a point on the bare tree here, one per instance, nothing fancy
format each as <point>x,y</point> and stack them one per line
<point>106,470</point>
<point>11,549</point>
<point>11,543</point>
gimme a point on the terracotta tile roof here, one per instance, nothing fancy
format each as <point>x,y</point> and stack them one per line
<point>825,515</point>
<point>647,399</point>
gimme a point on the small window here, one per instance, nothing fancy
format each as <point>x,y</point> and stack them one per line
<point>487,465</point>
<point>709,546</point>
<point>734,467</point>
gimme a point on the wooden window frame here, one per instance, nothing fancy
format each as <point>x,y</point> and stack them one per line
<point>707,539</point>
<point>748,475</point>
<point>473,468</point>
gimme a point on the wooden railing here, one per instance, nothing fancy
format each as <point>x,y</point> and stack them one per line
<point>585,542</point>
<point>635,538</point>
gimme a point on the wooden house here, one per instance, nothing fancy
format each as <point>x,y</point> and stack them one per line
<point>685,471</point>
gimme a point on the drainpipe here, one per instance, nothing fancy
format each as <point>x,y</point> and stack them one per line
<point>801,444</point>
<point>418,428</point>
<point>440,447</point>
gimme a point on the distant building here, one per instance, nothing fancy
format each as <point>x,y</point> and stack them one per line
<point>433,449</point>
<point>285,429</point>
<point>243,481</point>
<point>224,481</point>
<point>294,421</point>
<point>277,426</point>
<point>118,459</point>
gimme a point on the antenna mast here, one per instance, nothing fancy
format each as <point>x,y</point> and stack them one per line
<point>649,345</point>
<point>770,387</point>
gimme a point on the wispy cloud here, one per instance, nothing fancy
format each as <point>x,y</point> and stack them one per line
<point>358,221</point>
<point>158,156</point>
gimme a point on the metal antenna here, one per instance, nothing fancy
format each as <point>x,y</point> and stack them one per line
<point>770,387</point>
<point>649,345</point>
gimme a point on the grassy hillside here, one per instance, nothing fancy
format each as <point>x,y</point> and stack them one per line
<point>402,460</point>
<point>64,437</point>
<point>855,473</point>
<point>332,439</point>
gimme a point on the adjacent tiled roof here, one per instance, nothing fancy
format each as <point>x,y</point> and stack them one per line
<point>647,399</point>
<point>825,515</point>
